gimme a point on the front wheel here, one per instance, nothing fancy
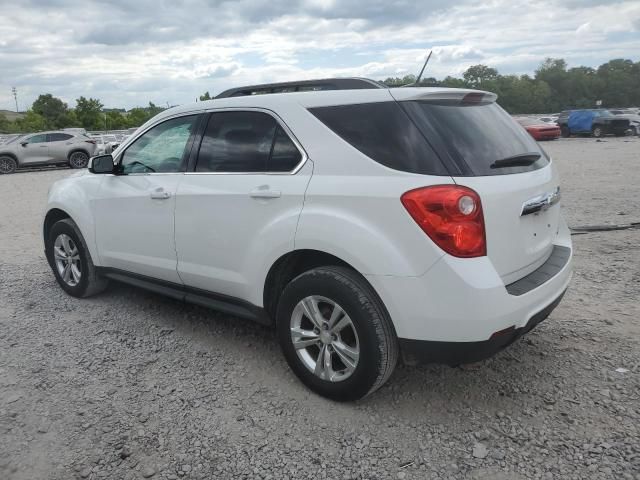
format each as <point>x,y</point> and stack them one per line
<point>7,165</point>
<point>78,160</point>
<point>71,261</point>
<point>597,132</point>
<point>336,334</point>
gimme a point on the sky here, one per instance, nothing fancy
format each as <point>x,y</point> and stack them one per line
<point>130,52</point>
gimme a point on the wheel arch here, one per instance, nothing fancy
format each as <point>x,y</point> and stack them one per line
<point>77,149</point>
<point>292,264</point>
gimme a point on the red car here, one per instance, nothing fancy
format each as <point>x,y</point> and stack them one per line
<point>539,129</point>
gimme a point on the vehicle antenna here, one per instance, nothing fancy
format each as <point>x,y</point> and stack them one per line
<point>423,67</point>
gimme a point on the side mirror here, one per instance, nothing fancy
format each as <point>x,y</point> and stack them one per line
<point>101,164</point>
<point>24,144</point>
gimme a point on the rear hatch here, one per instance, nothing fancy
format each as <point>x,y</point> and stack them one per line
<point>486,150</point>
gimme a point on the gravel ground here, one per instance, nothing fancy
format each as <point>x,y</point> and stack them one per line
<point>130,385</point>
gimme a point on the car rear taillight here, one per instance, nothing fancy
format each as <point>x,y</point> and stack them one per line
<point>452,217</point>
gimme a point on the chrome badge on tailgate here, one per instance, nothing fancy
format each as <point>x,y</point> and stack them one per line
<point>541,202</point>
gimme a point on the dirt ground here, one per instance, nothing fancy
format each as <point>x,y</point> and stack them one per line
<point>130,385</point>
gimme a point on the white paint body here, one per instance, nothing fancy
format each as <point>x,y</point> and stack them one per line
<point>212,234</point>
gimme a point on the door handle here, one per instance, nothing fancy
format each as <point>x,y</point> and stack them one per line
<point>160,195</point>
<point>264,192</point>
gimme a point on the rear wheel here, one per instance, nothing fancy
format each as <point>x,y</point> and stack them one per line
<point>71,262</point>
<point>597,131</point>
<point>335,333</point>
<point>7,165</point>
<point>565,132</point>
<point>78,160</point>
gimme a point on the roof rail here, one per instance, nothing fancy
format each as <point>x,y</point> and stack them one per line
<point>303,86</point>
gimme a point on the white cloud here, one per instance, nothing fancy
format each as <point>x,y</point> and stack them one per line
<point>129,53</point>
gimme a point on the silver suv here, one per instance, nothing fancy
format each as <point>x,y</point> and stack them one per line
<point>46,148</point>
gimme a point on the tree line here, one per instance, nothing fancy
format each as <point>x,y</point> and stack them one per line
<point>554,87</point>
<point>51,113</point>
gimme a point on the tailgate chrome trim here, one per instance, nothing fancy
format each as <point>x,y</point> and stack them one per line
<point>541,202</point>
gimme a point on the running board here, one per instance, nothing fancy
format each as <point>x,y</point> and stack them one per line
<point>222,303</point>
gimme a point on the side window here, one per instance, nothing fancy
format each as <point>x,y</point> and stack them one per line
<point>38,139</point>
<point>59,137</point>
<point>240,142</point>
<point>161,149</point>
<point>285,155</point>
<point>236,142</point>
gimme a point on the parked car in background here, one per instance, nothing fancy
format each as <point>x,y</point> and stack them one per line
<point>46,148</point>
<point>362,224</point>
<point>538,129</point>
<point>104,143</point>
<point>595,122</point>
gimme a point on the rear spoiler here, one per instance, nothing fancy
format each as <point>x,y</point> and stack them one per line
<point>448,96</point>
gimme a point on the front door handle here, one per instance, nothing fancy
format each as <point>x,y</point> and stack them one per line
<point>160,194</point>
<point>264,192</point>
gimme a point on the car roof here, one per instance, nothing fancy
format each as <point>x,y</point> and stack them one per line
<point>320,98</point>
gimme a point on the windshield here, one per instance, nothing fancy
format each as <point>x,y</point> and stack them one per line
<point>470,139</point>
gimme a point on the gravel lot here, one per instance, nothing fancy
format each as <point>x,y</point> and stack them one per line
<point>130,385</point>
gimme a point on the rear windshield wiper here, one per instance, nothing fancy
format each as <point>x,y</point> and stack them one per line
<point>520,160</point>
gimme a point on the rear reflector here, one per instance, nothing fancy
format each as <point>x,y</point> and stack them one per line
<point>451,215</point>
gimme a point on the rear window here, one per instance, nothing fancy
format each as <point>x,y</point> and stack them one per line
<point>475,139</point>
<point>384,133</point>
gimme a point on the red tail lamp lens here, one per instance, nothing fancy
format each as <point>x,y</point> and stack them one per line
<point>452,217</point>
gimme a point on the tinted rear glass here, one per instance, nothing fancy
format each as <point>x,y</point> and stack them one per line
<point>384,133</point>
<point>471,138</point>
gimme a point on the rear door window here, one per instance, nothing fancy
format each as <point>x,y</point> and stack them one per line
<point>384,133</point>
<point>476,139</point>
<point>59,137</point>
<point>246,142</point>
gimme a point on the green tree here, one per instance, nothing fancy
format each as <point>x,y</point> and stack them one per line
<point>52,109</point>
<point>116,121</point>
<point>89,113</point>
<point>477,75</point>
<point>31,122</point>
<point>622,83</point>
<point>5,124</point>
<point>206,96</point>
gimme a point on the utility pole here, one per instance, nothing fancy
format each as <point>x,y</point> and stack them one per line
<point>14,91</point>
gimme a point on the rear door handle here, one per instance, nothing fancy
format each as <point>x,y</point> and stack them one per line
<point>262,192</point>
<point>160,194</point>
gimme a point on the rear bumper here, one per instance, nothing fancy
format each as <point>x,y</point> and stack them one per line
<point>460,304</point>
<point>457,353</point>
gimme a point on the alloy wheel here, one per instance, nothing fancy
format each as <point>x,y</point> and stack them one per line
<point>67,259</point>
<point>78,160</point>
<point>325,338</point>
<point>7,165</point>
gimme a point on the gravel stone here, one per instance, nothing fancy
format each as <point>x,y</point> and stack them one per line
<point>133,385</point>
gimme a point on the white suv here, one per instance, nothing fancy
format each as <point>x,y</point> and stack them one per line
<point>364,223</point>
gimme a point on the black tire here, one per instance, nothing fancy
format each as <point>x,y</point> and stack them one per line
<point>7,165</point>
<point>597,131</point>
<point>78,159</point>
<point>378,344</point>
<point>565,132</point>
<point>90,283</point>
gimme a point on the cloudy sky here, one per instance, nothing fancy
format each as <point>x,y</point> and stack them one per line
<point>130,52</point>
